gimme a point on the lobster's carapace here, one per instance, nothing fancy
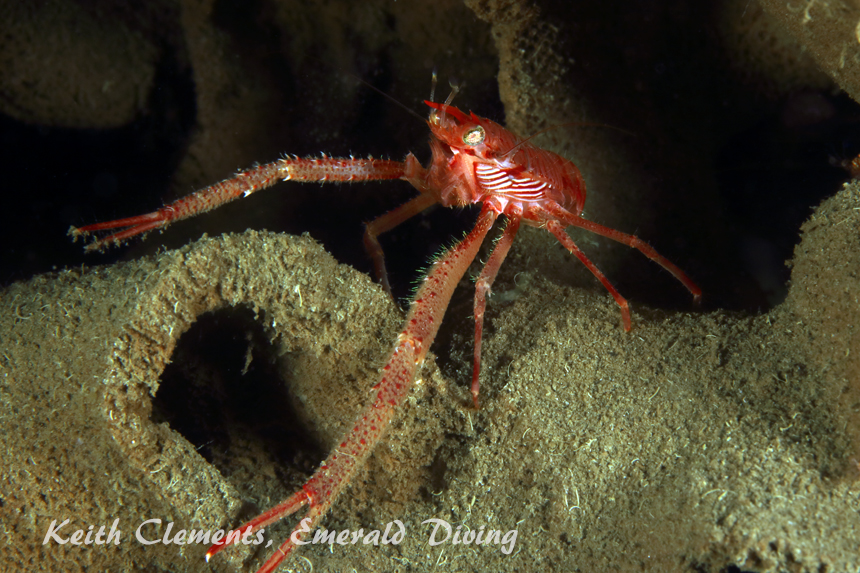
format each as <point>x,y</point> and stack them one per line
<point>474,160</point>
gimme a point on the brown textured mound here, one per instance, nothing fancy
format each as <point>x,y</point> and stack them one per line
<point>697,441</point>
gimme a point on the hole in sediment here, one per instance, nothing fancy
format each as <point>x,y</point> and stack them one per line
<point>222,391</point>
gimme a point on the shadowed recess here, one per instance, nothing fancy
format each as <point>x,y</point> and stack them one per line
<point>222,392</point>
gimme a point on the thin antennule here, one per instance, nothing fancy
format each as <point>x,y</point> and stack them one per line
<point>455,89</point>
<point>433,85</point>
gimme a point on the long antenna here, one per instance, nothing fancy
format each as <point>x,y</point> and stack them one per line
<point>386,96</point>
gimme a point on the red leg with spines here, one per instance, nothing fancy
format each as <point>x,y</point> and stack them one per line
<point>318,170</point>
<point>398,376</point>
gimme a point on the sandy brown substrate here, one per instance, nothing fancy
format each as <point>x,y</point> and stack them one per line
<point>697,441</point>
<point>694,442</point>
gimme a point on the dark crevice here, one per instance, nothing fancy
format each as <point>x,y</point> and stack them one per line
<point>223,392</point>
<point>53,176</point>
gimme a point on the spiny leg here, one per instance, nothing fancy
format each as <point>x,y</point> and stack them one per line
<point>398,376</point>
<point>385,223</point>
<point>320,170</point>
<point>280,511</point>
<point>482,289</point>
<point>557,229</point>
<point>631,241</point>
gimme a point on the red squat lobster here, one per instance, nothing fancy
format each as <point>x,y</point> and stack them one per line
<point>474,160</point>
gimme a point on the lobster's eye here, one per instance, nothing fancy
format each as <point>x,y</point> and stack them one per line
<point>474,136</point>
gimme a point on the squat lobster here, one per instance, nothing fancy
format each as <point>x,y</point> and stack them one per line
<point>474,160</point>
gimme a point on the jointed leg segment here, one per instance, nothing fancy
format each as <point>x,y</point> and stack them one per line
<point>318,170</point>
<point>398,377</point>
<point>558,230</point>
<point>482,288</point>
<point>633,242</point>
<point>385,223</point>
